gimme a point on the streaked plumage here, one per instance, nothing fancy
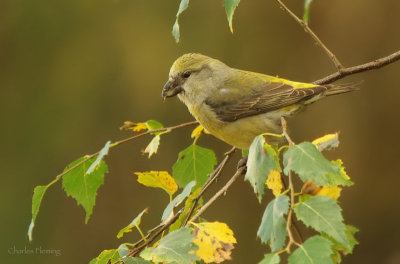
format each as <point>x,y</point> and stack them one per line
<point>236,105</point>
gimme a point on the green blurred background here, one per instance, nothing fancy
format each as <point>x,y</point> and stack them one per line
<point>71,72</point>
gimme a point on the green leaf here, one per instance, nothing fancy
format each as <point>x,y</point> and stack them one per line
<point>262,159</point>
<point>153,146</point>
<point>132,260</point>
<point>135,223</point>
<point>271,258</point>
<point>177,200</point>
<point>194,163</point>
<point>176,247</point>
<point>153,124</point>
<point>323,214</point>
<point>106,256</point>
<point>343,173</point>
<point>123,250</point>
<point>230,7</point>
<point>100,156</point>
<point>38,194</point>
<point>273,225</point>
<point>175,29</point>
<point>188,204</point>
<point>307,5</point>
<point>305,160</point>
<point>82,186</point>
<point>245,152</point>
<point>304,197</point>
<point>315,250</point>
<point>349,230</point>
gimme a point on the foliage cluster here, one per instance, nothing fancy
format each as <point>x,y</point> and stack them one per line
<point>186,239</point>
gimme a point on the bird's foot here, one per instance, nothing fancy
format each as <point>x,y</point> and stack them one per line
<point>242,163</point>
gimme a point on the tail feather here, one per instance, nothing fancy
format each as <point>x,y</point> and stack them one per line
<point>342,88</point>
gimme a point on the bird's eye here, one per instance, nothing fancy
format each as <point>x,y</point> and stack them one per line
<point>186,75</point>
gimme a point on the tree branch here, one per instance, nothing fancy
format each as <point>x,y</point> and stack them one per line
<point>307,29</point>
<point>376,64</point>
<point>238,173</point>
<point>212,177</point>
<point>169,222</point>
<point>341,71</point>
<point>141,244</point>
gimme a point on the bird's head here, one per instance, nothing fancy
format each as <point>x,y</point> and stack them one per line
<point>189,74</point>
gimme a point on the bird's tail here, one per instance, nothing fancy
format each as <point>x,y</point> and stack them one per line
<point>342,88</point>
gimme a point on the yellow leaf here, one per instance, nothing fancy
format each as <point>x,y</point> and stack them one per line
<point>215,241</point>
<point>310,188</point>
<point>158,179</point>
<point>135,127</point>
<point>333,192</point>
<point>153,146</point>
<point>139,127</point>
<point>197,131</point>
<point>327,142</point>
<point>274,182</point>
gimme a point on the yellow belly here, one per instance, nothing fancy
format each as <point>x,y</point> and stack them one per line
<point>239,133</point>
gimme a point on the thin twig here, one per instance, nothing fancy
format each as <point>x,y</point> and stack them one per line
<point>212,177</point>
<point>88,157</point>
<point>376,64</point>
<point>238,173</point>
<point>154,131</point>
<point>290,213</point>
<point>149,233</point>
<point>170,221</point>
<point>306,28</point>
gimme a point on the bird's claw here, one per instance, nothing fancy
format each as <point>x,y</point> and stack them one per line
<point>242,163</point>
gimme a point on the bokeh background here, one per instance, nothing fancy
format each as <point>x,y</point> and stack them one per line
<point>71,72</point>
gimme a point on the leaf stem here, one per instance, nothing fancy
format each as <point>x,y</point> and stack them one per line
<point>273,135</point>
<point>141,233</point>
<point>285,191</point>
<point>283,147</point>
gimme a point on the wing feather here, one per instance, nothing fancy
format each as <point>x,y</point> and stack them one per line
<point>261,98</point>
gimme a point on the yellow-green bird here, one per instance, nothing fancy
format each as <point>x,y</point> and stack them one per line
<point>236,105</point>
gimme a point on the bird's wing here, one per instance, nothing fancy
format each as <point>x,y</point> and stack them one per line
<point>258,94</point>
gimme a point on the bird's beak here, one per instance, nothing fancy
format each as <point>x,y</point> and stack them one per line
<point>171,88</point>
